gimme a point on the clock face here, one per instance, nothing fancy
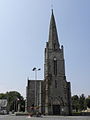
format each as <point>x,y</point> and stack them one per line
<point>55,59</point>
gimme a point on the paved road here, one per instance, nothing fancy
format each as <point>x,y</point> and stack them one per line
<point>8,117</point>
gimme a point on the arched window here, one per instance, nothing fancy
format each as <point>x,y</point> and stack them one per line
<point>55,66</point>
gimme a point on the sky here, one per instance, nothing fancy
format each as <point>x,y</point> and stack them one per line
<point>24,29</point>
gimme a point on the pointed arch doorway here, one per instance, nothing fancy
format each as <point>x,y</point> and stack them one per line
<point>56,109</point>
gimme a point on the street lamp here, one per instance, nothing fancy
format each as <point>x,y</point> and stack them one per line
<point>36,70</point>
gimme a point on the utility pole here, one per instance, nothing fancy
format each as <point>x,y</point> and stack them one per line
<point>36,70</point>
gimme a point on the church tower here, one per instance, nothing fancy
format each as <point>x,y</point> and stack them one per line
<point>52,96</point>
<point>57,91</point>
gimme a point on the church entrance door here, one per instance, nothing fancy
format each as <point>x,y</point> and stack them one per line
<point>56,109</point>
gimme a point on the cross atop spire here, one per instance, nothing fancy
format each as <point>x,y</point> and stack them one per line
<point>51,4</point>
<point>53,36</point>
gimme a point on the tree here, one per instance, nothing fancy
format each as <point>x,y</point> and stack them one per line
<point>14,98</point>
<point>3,96</point>
<point>75,103</point>
<point>88,102</point>
<point>82,102</point>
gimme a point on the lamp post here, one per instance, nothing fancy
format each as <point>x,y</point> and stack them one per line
<point>36,70</point>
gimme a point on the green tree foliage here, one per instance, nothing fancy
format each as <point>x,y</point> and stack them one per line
<point>14,98</point>
<point>82,103</point>
<point>88,102</point>
<point>3,96</point>
<point>75,103</point>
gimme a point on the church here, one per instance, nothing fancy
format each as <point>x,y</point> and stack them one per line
<point>51,96</point>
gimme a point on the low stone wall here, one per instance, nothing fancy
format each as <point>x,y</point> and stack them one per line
<point>21,114</point>
<point>81,114</point>
<point>85,113</point>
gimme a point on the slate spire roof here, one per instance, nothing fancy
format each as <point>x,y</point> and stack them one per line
<point>53,36</point>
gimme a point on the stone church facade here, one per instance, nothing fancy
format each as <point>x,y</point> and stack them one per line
<point>53,94</point>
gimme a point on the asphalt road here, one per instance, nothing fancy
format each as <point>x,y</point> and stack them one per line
<point>9,117</point>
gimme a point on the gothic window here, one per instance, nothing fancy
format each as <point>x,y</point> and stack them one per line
<point>55,83</point>
<point>55,66</point>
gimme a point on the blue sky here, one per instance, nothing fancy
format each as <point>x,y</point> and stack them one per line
<point>24,29</point>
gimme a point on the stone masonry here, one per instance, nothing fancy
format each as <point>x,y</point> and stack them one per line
<point>54,92</point>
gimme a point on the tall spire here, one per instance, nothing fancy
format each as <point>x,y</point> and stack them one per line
<point>53,36</point>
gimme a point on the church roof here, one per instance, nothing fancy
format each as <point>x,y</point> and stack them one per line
<point>53,36</point>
